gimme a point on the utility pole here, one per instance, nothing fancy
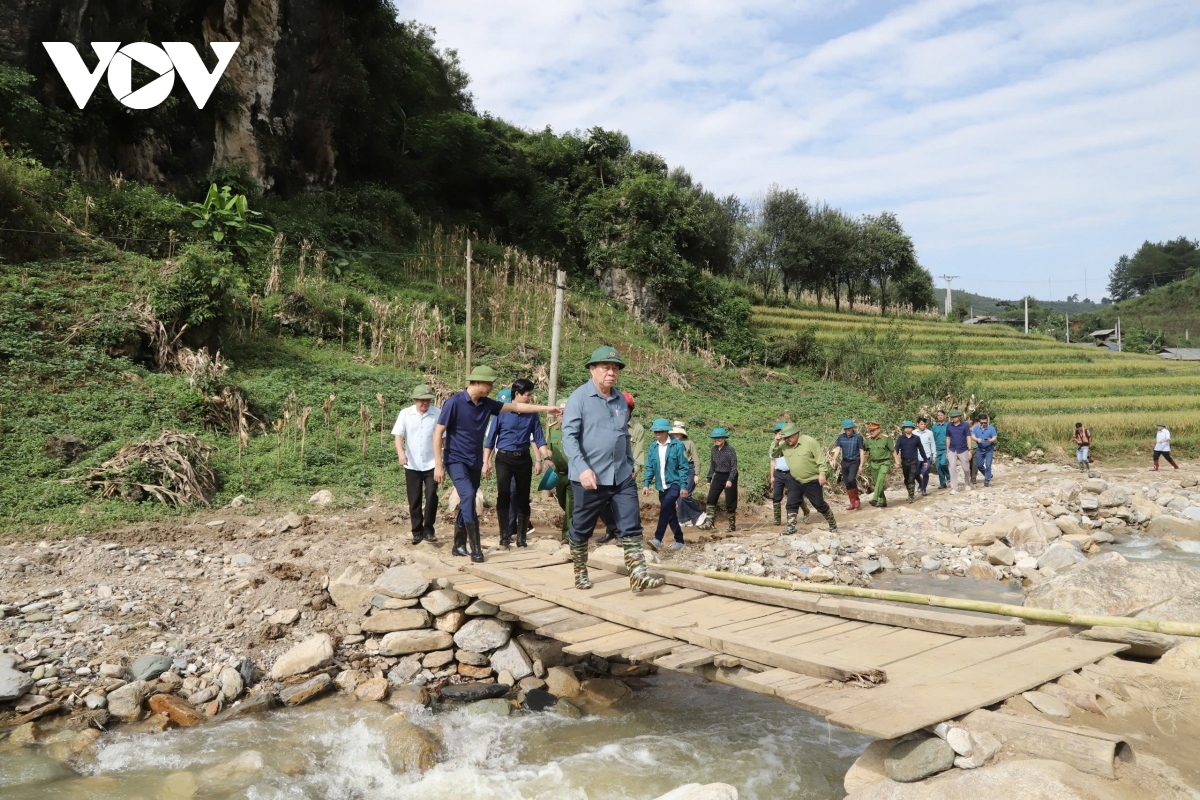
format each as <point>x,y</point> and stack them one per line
<point>560,291</point>
<point>1119,350</point>
<point>949,305</point>
<point>1027,313</point>
<point>1068,318</point>
<point>470,320</point>
<point>1085,291</point>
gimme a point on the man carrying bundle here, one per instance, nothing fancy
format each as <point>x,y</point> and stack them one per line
<point>879,452</point>
<point>595,438</point>
<point>807,473</point>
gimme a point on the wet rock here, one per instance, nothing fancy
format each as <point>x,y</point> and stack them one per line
<point>399,643</point>
<point>482,634</point>
<point>402,582</point>
<point>605,692</point>
<point>248,672</point>
<point>374,690</point>
<point>568,709</point>
<point>409,748</point>
<point>1151,589</point>
<point>310,689</point>
<point>451,621</point>
<point>538,700</point>
<point>147,668</point>
<point>1184,656</point>
<point>409,695</point>
<point>313,653</point>
<point>1166,527</point>
<point>231,684</point>
<point>13,682</point>
<point>916,759</point>
<point>406,670</point>
<point>222,777</point>
<point>180,711</point>
<point>254,704</point>
<point>125,703</point>
<point>496,706</point>
<point>25,735</point>
<point>155,723</point>
<point>440,601</point>
<point>562,682</point>
<point>696,791</point>
<point>349,593</point>
<point>178,786</point>
<point>471,692</point>
<point>512,659</point>
<point>400,620</point>
<point>1051,706</point>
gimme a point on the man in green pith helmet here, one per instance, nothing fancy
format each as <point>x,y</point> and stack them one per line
<point>909,453</point>
<point>777,479</point>
<point>807,473</point>
<point>722,477</point>
<point>595,438</point>
<point>413,433</point>
<point>879,454</point>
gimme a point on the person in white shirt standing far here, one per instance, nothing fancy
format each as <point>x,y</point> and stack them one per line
<point>414,449</point>
<point>1162,447</point>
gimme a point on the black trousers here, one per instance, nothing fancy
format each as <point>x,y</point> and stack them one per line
<point>717,485</point>
<point>850,473</point>
<point>508,469</point>
<point>911,468</point>
<point>816,496</point>
<point>414,481</point>
<point>1164,454</point>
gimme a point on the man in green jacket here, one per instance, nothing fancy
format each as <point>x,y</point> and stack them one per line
<point>879,456</point>
<point>807,473</point>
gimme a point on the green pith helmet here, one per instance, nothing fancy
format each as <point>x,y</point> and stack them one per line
<point>660,425</point>
<point>789,430</point>
<point>606,355</point>
<point>482,374</point>
<point>907,424</point>
<point>719,433</point>
<point>847,424</point>
<point>1160,424</point>
<point>422,392</point>
<point>549,481</point>
<point>954,412</point>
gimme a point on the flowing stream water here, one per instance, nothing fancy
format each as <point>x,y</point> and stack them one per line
<point>676,730</point>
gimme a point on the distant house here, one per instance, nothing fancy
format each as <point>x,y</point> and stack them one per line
<point>1106,337</point>
<point>1181,353</point>
<point>981,321</point>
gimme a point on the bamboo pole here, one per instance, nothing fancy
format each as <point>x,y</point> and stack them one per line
<point>1003,609</point>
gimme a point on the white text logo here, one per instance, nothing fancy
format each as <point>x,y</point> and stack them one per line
<point>167,60</point>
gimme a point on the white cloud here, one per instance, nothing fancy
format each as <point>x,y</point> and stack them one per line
<point>1018,139</point>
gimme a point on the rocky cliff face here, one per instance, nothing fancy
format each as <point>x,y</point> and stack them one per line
<point>266,115</point>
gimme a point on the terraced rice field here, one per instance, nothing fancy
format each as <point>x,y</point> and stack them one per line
<point>1042,386</point>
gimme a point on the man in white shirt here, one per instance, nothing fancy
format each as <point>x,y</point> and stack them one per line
<point>1162,447</point>
<point>930,446</point>
<point>414,449</point>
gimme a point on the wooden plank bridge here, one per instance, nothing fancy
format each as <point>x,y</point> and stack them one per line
<point>883,669</point>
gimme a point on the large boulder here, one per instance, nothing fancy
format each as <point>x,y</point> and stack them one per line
<point>125,703</point>
<point>147,668</point>
<point>513,659</point>
<point>405,583</point>
<point>440,601</point>
<point>402,643</point>
<point>1061,557</point>
<point>404,619</point>
<point>409,747</point>
<point>1166,527</point>
<point>1183,656</point>
<point>13,683</point>
<point>472,692</point>
<point>1165,590</point>
<point>917,759</point>
<point>1114,496</point>
<point>1030,779</point>
<point>562,682</point>
<point>482,634</point>
<point>314,652</point>
<point>349,593</point>
<point>1028,527</point>
<point>546,650</point>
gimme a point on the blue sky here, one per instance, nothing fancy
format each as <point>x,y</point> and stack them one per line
<point>1021,143</point>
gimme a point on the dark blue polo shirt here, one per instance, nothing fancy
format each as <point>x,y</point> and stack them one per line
<point>512,432</point>
<point>956,437</point>
<point>910,447</point>
<point>466,423</point>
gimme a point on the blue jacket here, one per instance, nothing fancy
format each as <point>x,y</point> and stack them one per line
<point>851,446</point>
<point>678,469</point>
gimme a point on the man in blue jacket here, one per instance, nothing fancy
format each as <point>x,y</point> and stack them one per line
<point>668,470</point>
<point>595,439</point>
<point>851,444</point>
<point>984,434</point>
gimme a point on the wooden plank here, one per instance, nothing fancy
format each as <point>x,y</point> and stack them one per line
<point>685,658</point>
<point>503,596</point>
<point>736,676</point>
<point>921,618</point>
<point>838,627</point>
<point>779,617</point>
<point>526,606</point>
<point>614,645</point>
<point>536,563</point>
<point>774,676</point>
<point>895,711</point>
<point>900,643</point>
<point>477,587</point>
<point>968,652</point>
<point>569,624</point>
<point>577,635</point>
<point>683,607</point>
<point>549,616</point>
<point>646,652</point>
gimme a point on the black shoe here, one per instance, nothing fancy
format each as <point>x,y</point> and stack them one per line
<point>473,536</point>
<point>430,536</point>
<point>460,539</point>
<point>522,531</point>
<point>505,539</point>
<point>417,538</point>
<point>609,536</point>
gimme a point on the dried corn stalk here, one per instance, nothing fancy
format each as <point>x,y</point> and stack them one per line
<point>173,469</point>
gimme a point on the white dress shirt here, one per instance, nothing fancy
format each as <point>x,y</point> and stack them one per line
<point>417,430</point>
<point>1162,442</point>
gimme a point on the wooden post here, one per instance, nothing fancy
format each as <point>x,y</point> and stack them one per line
<point>1068,319</point>
<point>1027,313</point>
<point>470,321</point>
<point>560,290</point>
<point>1119,350</point>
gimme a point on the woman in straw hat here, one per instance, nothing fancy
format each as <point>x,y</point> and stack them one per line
<point>458,448</point>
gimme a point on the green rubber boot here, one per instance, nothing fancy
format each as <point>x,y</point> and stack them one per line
<point>791,525</point>
<point>778,509</point>
<point>579,560</point>
<point>829,518</point>
<point>635,561</point>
